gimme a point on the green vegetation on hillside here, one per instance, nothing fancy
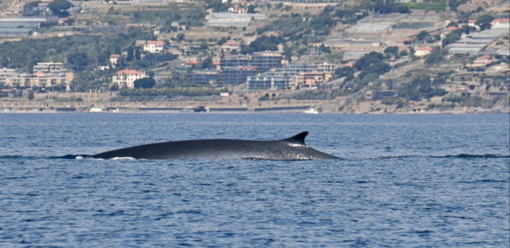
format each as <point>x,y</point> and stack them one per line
<point>420,87</point>
<point>95,50</point>
<point>430,6</point>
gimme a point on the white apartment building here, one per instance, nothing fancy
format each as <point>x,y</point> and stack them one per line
<point>49,67</point>
<point>127,78</point>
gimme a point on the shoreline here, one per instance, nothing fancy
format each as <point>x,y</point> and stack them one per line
<point>337,106</point>
<point>261,112</point>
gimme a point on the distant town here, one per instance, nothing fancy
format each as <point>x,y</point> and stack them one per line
<point>312,56</point>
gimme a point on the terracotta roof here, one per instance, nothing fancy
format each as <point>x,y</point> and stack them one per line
<point>156,42</point>
<point>115,56</point>
<point>335,18</point>
<point>424,49</point>
<point>130,72</point>
<point>216,63</point>
<point>192,62</point>
<point>230,43</point>
<point>452,28</point>
<point>348,65</point>
<point>471,21</point>
<point>501,20</point>
<point>406,39</point>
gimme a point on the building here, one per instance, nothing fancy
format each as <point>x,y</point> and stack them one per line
<point>292,76</point>
<point>381,94</point>
<point>423,51</point>
<point>235,60</point>
<point>45,75</point>
<point>127,78</point>
<point>114,59</point>
<point>38,79</point>
<point>405,42</point>
<point>20,26</point>
<point>266,60</point>
<point>236,75</point>
<point>261,60</point>
<point>203,77</point>
<point>192,64</point>
<point>498,21</point>
<point>230,46</point>
<point>49,67</point>
<point>154,46</point>
<point>449,30</point>
<point>481,61</point>
<point>268,80</point>
<point>471,23</point>
<point>310,79</point>
<point>477,41</point>
<point>233,19</point>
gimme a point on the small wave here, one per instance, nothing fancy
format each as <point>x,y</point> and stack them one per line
<point>71,156</point>
<point>462,156</point>
<point>11,157</point>
<point>18,157</point>
<point>123,158</point>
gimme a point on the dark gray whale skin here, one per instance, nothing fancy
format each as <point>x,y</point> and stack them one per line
<point>293,148</point>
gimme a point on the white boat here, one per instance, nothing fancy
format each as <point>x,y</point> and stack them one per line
<point>96,110</point>
<point>311,111</point>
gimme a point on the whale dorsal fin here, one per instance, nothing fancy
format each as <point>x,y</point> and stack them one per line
<point>298,139</point>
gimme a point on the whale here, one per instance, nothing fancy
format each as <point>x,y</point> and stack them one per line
<point>293,148</point>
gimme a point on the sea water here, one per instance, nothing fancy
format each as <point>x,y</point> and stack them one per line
<point>403,181</point>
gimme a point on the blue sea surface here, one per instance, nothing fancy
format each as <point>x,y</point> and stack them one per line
<point>404,181</point>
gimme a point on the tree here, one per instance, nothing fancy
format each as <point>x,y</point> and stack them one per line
<point>263,43</point>
<point>484,21</point>
<point>453,24</point>
<point>203,45</point>
<point>137,54</point>
<point>391,50</point>
<point>30,8</point>
<point>222,40</point>
<point>450,39</point>
<point>346,72</point>
<point>144,83</point>
<point>130,55</point>
<point>453,4</point>
<point>117,49</point>
<point>422,35</point>
<point>207,63</point>
<point>325,49</point>
<point>60,7</point>
<point>435,56</point>
<point>78,60</point>
<point>251,9</point>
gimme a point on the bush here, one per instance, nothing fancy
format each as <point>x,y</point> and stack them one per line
<point>144,83</point>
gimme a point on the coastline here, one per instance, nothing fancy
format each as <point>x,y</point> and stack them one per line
<point>341,105</point>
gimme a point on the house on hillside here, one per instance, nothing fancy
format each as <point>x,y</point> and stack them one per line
<point>449,30</point>
<point>230,46</point>
<point>127,78</point>
<point>423,51</point>
<point>154,46</point>
<point>114,59</point>
<point>481,61</point>
<point>498,21</point>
